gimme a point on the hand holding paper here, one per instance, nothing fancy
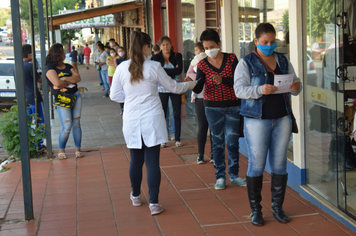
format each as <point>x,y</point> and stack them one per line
<point>284,83</point>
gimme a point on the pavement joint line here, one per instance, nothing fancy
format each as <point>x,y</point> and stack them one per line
<point>44,199</point>
<point>12,198</point>
<point>194,189</point>
<point>183,200</point>
<point>222,202</point>
<point>172,166</point>
<point>108,188</point>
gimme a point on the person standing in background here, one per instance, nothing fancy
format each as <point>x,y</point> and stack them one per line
<point>122,57</point>
<point>173,65</point>
<point>86,52</point>
<point>80,54</point>
<point>113,44</point>
<point>103,69</point>
<point>30,90</point>
<point>74,57</point>
<point>267,119</point>
<point>110,61</point>
<point>198,100</point>
<point>215,74</point>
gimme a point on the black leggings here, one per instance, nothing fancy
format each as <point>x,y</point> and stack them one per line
<point>150,156</point>
<point>202,125</point>
<point>176,103</point>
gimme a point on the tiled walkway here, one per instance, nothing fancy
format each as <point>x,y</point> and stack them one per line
<point>90,196</point>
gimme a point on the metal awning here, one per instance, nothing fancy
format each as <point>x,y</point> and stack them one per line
<point>94,12</point>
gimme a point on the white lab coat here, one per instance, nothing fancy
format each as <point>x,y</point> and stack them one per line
<point>143,116</point>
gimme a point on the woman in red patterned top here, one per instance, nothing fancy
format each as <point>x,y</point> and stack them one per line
<point>222,107</point>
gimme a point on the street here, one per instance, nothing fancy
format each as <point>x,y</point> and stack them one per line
<point>6,51</point>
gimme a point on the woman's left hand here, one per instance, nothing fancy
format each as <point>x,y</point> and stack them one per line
<point>218,79</point>
<point>295,86</point>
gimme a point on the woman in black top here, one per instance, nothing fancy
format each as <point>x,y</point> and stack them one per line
<point>173,65</point>
<point>64,78</point>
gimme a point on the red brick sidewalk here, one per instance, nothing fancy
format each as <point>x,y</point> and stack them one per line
<point>90,196</point>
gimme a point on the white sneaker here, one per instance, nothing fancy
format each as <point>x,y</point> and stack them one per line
<point>173,137</point>
<point>136,201</point>
<point>163,145</point>
<point>155,209</point>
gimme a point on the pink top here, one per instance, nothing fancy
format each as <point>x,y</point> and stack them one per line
<point>191,73</point>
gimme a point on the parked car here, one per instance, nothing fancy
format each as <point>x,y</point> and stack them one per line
<point>9,41</point>
<point>4,35</point>
<point>318,49</point>
<point>7,81</point>
<point>0,38</point>
<point>311,72</point>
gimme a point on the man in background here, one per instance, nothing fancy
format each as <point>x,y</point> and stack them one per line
<point>86,52</point>
<point>31,89</point>
<point>74,57</point>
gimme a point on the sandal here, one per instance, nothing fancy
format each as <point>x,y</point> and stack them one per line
<point>62,156</point>
<point>79,154</point>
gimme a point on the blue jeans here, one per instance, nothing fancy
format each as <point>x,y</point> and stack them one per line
<point>105,78</point>
<point>267,136</point>
<point>31,110</point>
<point>70,120</point>
<point>99,75</point>
<point>224,123</point>
<point>170,117</point>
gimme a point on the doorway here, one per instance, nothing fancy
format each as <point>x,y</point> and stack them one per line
<point>329,46</point>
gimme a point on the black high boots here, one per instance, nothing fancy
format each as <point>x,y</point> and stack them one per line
<point>278,189</point>
<point>254,187</point>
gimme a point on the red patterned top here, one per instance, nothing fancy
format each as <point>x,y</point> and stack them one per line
<point>221,95</point>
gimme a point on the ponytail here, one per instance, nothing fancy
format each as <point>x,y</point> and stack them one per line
<point>138,41</point>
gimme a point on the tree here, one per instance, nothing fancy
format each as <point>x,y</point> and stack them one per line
<point>4,15</point>
<point>285,20</point>
<point>322,13</point>
<point>56,6</point>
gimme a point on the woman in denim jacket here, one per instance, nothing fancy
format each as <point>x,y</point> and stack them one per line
<point>267,117</point>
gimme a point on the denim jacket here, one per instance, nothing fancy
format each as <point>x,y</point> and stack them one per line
<point>250,76</point>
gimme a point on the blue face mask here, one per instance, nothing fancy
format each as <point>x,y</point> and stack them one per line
<point>267,49</point>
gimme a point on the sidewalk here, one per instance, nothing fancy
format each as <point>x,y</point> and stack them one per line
<point>90,196</point>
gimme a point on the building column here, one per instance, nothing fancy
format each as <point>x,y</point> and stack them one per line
<point>157,20</point>
<point>226,26</point>
<point>171,22</point>
<point>296,56</point>
<point>58,36</point>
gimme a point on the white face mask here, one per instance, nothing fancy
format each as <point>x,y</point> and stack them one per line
<point>111,44</point>
<point>113,54</point>
<point>212,53</point>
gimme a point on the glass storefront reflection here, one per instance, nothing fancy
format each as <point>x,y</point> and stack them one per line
<point>328,103</point>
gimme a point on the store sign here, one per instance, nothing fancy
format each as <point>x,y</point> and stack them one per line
<point>95,22</point>
<point>325,98</point>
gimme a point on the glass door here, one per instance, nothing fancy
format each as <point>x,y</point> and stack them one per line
<point>327,92</point>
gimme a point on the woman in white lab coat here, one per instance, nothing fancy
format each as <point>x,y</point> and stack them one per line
<point>135,82</point>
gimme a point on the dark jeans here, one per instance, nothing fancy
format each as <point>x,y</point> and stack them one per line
<point>176,103</point>
<point>224,124</point>
<point>202,125</point>
<point>150,156</point>
<point>80,58</point>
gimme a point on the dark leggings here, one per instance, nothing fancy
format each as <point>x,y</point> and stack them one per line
<point>150,156</point>
<point>176,103</point>
<point>202,125</point>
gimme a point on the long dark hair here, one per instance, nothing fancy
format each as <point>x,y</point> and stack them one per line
<point>138,41</point>
<point>55,54</point>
